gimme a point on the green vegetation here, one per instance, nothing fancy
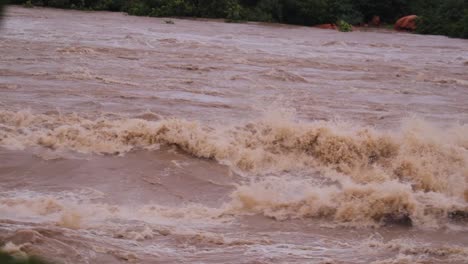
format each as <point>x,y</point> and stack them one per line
<point>8,259</point>
<point>234,12</point>
<point>2,5</point>
<point>445,17</point>
<point>344,27</point>
<point>28,4</point>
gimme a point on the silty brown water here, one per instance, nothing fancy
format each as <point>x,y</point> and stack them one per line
<point>126,139</point>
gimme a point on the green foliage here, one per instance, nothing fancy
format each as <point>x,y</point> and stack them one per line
<point>62,3</point>
<point>448,17</point>
<point>234,12</point>
<point>345,10</point>
<point>137,8</point>
<point>388,10</point>
<point>111,5</point>
<point>464,22</point>
<point>214,9</point>
<point>2,4</point>
<point>28,4</point>
<point>305,12</point>
<point>169,8</point>
<point>8,259</point>
<point>265,10</point>
<point>344,27</point>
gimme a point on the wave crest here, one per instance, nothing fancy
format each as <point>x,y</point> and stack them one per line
<point>373,175</point>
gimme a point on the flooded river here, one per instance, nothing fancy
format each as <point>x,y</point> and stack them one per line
<point>130,139</point>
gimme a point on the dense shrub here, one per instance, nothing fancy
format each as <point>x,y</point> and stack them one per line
<point>306,12</point>
<point>215,9</point>
<point>111,5</point>
<point>344,27</point>
<point>168,8</point>
<point>235,12</point>
<point>2,5</point>
<point>388,10</point>
<point>265,10</point>
<point>345,10</point>
<point>447,17</point>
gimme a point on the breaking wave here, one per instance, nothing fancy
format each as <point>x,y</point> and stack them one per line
<point>416,174</point>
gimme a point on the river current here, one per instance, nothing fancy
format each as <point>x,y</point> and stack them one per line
<point>131,139</point>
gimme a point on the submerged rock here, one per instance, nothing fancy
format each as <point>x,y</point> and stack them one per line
<point>458,215</point>
<point>397,219</point>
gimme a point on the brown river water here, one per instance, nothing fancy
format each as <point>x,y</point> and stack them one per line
<point>131,140</point>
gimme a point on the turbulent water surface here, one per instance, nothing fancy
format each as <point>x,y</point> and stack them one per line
<point>129,139</point>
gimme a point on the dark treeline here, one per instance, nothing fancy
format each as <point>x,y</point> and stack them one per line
<point>445,17</point>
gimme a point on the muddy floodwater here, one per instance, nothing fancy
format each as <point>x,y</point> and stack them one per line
<point>132,140</point>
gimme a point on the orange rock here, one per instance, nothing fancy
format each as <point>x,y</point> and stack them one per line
<point>406,23</point>
<point>375,21</point>
<point>326,26</point>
